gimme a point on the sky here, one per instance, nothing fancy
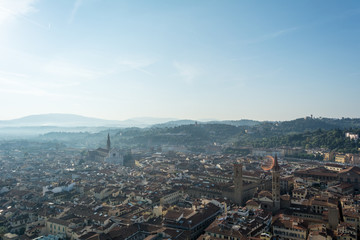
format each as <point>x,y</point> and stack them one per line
<point>203,59</point>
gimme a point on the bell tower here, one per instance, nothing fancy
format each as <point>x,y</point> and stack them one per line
<point>108,144</point>
<point>275,173</point>
<point>238,183</point>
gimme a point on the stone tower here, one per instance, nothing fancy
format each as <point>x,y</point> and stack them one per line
<point>108,144</point>
<point>238,183</point>
<point>275,173</point>
<point>333,217</point>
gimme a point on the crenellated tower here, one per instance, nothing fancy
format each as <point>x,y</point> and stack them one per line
<point>275,173</point>
<point>238,183</point>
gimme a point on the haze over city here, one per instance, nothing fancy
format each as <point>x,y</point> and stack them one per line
<point>179,120</point>
<point>262,60</point>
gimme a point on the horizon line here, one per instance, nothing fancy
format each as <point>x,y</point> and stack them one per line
<point>168,119</point>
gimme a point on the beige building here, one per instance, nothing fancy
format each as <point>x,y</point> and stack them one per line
<point>289,228</point>
<point>299,193</point>
<point>172,197</point>
<point>352,217</point>
<point>329,156</point>
<point>334,167</point>
<point>58,227</point>
<point>341,158</point>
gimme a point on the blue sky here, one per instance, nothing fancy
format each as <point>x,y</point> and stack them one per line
<point>213,59</point>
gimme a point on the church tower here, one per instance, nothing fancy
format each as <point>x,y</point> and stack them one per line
<point>275,173</point>
<point>108,144</point>
<point>238,183</point>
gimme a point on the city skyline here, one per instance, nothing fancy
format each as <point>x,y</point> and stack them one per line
<point>222,60</point>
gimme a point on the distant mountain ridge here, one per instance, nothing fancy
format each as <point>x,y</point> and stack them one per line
<point>56,119</point>
<point>195,135</point>
<point>55,122</point>
<point>73,120</point>
<point>236,123</point>
<point>198,136</point>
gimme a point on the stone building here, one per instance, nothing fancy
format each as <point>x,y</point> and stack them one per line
<point>239,191</point>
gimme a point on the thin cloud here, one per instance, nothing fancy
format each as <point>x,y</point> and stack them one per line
<point>69,70</point>
<point>74,10</point>
<point>6,73</point>
<point>40,93</point>
<point>18,83</point>
<point>137,65</point>
<point>20,87</point>
<point>272,35</point>
<point>16,86</point>
<point>12,10</point>
<point>186,71</point>
<point>280,32</point>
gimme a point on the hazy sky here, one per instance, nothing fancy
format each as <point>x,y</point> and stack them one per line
<point>195,59</point>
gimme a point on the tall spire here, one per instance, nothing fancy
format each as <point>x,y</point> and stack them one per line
<point>275,172</point>
<point>276,166</point>
<point>108,145</point>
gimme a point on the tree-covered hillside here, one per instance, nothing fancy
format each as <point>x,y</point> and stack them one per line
<point>333,140</point>
<point>305,132</point>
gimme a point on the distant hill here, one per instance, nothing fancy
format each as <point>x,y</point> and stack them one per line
<point>236,123</point>
<point>306,124</point>
<point>304,132</point>
<point>81,131</point>
<point>35,131</point>
<point>174,123</point>
<point>59,120</point>
<point>343,122</point>
<point>190,135</point>
<point>73,120</point>
<point>334,140</point>
<point>151,120</point>
<point>301,125</point>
